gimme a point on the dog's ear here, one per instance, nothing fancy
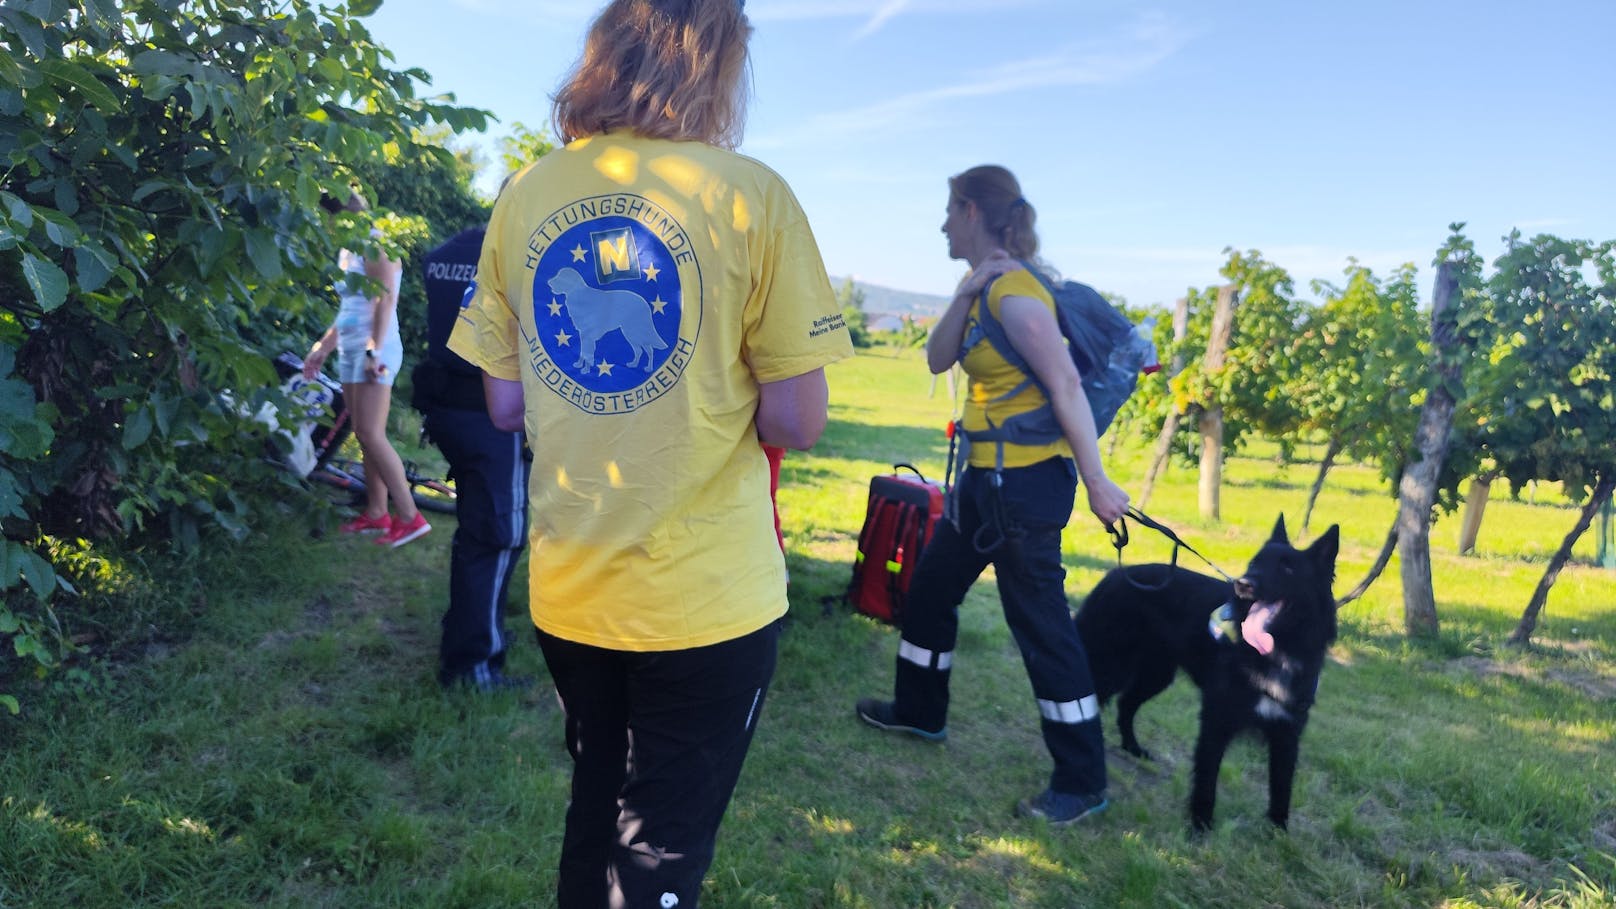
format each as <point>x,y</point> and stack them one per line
<point>1325,549</point>
<point>1279,536</point>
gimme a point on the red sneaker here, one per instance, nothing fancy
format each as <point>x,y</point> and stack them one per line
<point>401,533</point>
<point>366,524</point>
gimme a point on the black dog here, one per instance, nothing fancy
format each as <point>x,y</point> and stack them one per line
<point>1254,647</point>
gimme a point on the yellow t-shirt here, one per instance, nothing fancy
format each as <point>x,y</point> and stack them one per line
<point>992,377</point>
<point>640,290</point>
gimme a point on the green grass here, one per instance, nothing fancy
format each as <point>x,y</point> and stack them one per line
<point>262,728</point>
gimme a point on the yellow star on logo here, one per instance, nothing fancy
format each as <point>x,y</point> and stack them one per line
<point>604,369</point>
<point>658,305</point>
<point>578,253</point>
<point>555,307</point>
<point>651,271</point>
<point>563,339</point>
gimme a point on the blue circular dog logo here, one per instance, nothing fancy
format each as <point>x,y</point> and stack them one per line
<point>616,302</point>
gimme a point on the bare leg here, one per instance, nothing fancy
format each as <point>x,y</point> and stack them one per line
<point>369,403</point>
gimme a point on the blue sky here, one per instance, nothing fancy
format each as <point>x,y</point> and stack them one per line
<point>1148,135</point>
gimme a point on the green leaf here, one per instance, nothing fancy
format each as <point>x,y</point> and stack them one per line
<point>10,498</point>
<point>62,232</point>
<point>125,157</point>
<point>330,69</point>
<point>82,79</point>
<point>10,570</point>
<point>16,400</point>
<point>94,265</point>
<point>28,29</point>
<point>161,63</point>
<point>39,574</point>
<point>209,250</point>
<point>137,429</point>
<point>20,212</point>
<point>67,198</point>
<point>46,279</point>
<point>265,255</point>
<point>147,188</point>
<point>25,431</point>
<point>164,407</point>
<point>10,703</point>
<point>10,72</point>
<point>102,12</point>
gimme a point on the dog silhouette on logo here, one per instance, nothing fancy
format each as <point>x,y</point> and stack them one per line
<point>597,312</point>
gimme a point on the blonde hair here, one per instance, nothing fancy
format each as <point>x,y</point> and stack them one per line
<point>1007,216</point>
<point>666,69</point>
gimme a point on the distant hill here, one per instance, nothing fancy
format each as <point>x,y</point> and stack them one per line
<point>880,300</point>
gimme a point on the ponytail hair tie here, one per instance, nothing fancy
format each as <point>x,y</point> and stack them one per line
<point>1018,202</point>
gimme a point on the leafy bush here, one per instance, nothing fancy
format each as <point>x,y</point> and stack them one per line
<point>161,168</point>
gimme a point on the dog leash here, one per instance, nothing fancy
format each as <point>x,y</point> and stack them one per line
<point>1119,539</point>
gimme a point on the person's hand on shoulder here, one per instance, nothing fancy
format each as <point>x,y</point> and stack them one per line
<point>986,272</point>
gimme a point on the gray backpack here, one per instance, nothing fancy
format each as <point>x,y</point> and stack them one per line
<point>1108,351</point>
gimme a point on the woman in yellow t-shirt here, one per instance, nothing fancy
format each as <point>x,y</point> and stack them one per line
<point>649,307</point>
<point>1013,504</point>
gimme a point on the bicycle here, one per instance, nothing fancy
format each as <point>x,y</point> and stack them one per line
<point>317,444</point>
<point>429,493</point>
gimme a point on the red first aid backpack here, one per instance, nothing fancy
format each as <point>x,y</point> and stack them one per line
<point>898,524</point>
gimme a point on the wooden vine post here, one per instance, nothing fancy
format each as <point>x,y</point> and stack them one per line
<point>1164,442</point>
<point>1211,425</point>
<point>1475,507</point>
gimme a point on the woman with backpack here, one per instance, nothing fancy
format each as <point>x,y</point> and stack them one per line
<point>1013,501</point>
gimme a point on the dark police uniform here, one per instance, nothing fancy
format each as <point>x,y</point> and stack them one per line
<point>490,469</point>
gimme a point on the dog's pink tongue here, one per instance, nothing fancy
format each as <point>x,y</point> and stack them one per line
<point>1255,628</point>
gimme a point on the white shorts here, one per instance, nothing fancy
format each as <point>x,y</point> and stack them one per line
<point>353,332</point>
<point>351,364</point>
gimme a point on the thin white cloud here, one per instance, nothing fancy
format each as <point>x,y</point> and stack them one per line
<point>796,10</point>
<point>572,12</point>
<point>1145,45</point>
<point>540,12</point>
<point>882,16</point>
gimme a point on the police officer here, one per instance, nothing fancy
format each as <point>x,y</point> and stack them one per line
<point>490,469</point>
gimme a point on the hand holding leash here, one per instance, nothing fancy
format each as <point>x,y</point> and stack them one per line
<point>1107,500</point>
<point>1119,539</point>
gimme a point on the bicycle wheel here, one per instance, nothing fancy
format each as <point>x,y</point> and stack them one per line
<point>344,475</point>
<point>429,493</point>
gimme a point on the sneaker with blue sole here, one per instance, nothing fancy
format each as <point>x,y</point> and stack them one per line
<point>881,715</point>
<point>1062,808</point>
